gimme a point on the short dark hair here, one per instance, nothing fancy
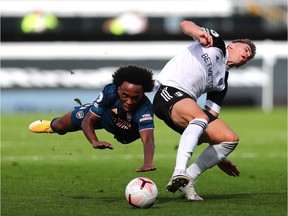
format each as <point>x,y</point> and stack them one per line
<point>250,44</point>
<point>135,75</point>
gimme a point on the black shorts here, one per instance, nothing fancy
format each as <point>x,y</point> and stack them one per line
<point>163,102</point>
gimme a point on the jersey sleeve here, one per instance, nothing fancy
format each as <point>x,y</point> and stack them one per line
<point>105,99</point>
<point>215,99</point>
<point>217,40</point>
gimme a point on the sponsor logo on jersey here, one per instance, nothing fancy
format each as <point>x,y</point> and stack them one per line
<point>121,123</point>
<point>208,62</point>
<point>146,117</point>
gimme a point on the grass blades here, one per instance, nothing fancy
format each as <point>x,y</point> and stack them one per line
<point>48,174</point>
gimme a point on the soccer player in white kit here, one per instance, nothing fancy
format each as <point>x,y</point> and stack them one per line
<point>203,67</point>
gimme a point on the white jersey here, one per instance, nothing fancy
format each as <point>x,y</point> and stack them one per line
<point>196,70</point>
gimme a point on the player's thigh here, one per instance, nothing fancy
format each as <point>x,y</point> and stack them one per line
<point>185,111</point>
<point>218,131</point>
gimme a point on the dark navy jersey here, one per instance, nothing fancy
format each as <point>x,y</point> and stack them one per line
<point>124,125</point>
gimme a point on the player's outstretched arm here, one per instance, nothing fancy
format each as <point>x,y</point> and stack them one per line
<point>88,129</point>
<point>195,31</point>
<point>147,137</point>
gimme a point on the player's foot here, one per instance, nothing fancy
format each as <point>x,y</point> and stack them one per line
<point>177,182</point>
<point>40,126</point>
<point>189,191</point>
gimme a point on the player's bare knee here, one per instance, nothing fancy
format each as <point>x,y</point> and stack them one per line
<point>232,137</point>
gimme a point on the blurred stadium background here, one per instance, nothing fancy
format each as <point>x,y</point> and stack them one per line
<point>55,51</point>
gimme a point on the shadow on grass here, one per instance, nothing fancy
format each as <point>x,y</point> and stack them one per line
<point>166,199</point>
<point>242,195</point>
<point>239,196</point>
<point>82,197</point>
<point>178,198</point>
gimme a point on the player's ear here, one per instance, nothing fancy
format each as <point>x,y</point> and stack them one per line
<point>231,46</point>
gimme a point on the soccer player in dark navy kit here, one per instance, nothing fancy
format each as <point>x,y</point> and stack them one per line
<point>121,108</point>
<point>200,68</point>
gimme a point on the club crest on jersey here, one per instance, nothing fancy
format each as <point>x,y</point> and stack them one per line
<point>129,116</point>
<point>80,114</point>
<point>178,94</point>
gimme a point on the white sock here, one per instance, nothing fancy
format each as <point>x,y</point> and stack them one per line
<point>188,143</point>
<point>211,156</point>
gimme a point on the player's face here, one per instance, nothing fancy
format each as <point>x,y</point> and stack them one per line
<point>241,54</point>
<point>130,95</point>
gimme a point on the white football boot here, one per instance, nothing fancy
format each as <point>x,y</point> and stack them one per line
<point>189,191</point>
<point>177,182</point>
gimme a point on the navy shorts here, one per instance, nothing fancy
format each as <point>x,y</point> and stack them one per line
<point>79,113</point>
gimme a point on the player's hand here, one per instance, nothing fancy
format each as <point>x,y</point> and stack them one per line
<point>146,168</point>
<point>102,145</point>
<point>206,39</point>
<point>229,168</point>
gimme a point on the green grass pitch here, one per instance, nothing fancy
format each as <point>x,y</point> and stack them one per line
<point>48,174</point>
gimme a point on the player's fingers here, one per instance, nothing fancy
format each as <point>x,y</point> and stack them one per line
<point>104,146</point>
<point>209,40</point>
<point>229,172</point>
<point>107,145</point>
<point>236,172</point>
